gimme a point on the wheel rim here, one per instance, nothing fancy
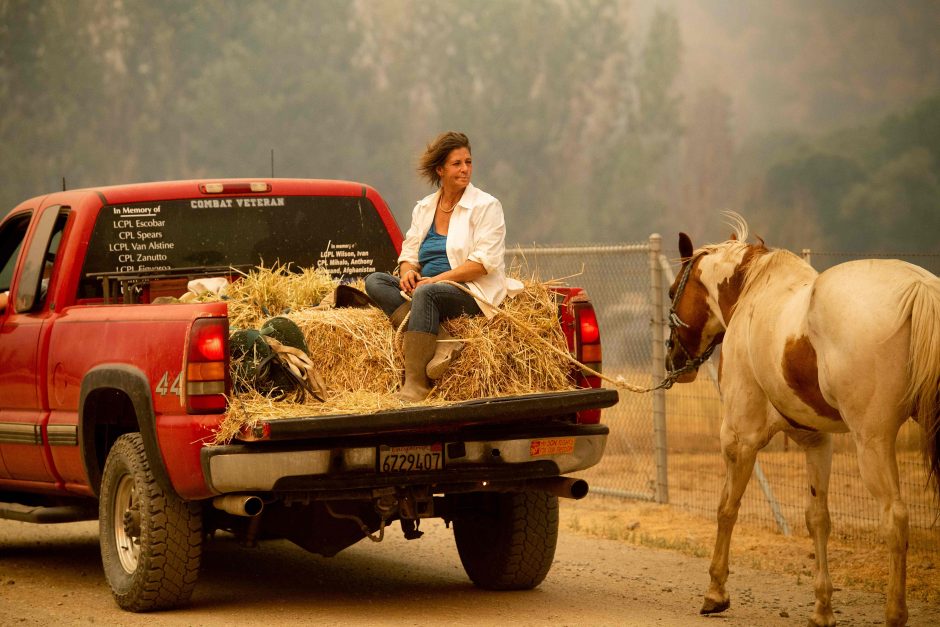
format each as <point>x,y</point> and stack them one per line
<point>127,524</point>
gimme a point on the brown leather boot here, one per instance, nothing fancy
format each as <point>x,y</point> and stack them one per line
<point>349,296</point>
<point>398,316</point>
<point>445,353</point>
<point>418,349</point>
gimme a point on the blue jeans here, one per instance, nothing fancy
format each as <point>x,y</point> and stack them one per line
<point>430,304</point>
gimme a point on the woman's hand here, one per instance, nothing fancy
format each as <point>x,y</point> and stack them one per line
<point>428,280</point>
<point>409,280</point>
<point>464,273</point>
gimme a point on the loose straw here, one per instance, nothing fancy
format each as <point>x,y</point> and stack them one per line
<point>618,382</point>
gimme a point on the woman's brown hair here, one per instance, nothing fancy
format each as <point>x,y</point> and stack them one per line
<point>436,154</point>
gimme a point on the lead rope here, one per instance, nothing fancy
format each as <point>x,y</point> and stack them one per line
<point>619,382</point>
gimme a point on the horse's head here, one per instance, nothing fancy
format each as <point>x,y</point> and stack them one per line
<point>703,297</point>
<point>692,327</point>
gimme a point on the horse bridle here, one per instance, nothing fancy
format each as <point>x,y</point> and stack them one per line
<point>692,363</point>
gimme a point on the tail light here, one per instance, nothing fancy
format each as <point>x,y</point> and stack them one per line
<point>587,336</point>
<point>207,366</point>
<point>584,341</point>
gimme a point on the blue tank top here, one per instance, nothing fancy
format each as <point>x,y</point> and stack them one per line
<point>432,255</point>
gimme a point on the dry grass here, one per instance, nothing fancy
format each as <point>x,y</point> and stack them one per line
<point>266,292</point>
<point>358,355</point>
<point>505,356</point>
<point>861,566</point>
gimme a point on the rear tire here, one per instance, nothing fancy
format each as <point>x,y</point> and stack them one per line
<point>151,541</point>
<point>506,541</point>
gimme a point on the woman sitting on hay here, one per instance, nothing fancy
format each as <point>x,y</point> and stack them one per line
<point>457,236</point>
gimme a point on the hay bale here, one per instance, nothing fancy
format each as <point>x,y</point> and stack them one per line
<point>353,349</point>
<point>266,292</point>
<point>504,356</point>
<point>358,356</point>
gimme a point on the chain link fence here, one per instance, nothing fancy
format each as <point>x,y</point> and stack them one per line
<point>677,460</point>
<point>617,279</point>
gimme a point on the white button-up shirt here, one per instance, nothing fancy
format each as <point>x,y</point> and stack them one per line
<point>477,232</point>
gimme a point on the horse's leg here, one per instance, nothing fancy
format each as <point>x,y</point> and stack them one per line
<point>739,462</point>
<point>879,468</point>
<point>818,449</point>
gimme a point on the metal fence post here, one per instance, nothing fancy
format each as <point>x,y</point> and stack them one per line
<point>658,369</point>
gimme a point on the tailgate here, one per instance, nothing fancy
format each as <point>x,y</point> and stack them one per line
<point>510,439</point>
<point>430,419</point>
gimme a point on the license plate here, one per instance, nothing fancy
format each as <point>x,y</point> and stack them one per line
<point>411,458</point>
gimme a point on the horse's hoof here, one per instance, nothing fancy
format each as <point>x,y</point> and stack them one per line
<point>711,606</point>
<point>817,621</point>
<point>897,621</point>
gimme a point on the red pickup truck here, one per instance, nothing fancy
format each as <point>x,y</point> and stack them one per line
<point>109,404</point>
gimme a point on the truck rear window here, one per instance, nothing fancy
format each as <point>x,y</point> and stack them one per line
<point>343,234</point>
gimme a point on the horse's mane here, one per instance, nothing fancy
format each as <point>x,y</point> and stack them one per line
<point>771,260</point>
<point>738,237</point>
<point>758,258</point>
<point>739,225</point>
<point>738,240</point>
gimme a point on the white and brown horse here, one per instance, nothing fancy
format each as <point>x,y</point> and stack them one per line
<point>855,349</point>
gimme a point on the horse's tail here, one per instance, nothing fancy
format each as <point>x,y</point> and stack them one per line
<point>921,301</point>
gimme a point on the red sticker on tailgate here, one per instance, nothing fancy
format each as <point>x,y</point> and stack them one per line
<point>551,446</point>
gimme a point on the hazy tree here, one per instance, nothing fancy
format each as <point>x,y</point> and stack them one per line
<point>549,108</point>
<point>707,160</point>
<point>48,86</point>
<point>647,133</point>
<point>862,189</point>
<point>570,115</point>
<point>918,128</point>
<point>573,108</point>
<point>897,209</point>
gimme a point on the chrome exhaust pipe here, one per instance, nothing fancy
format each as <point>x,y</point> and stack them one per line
<point>565,487</point>
<point>239,504</point>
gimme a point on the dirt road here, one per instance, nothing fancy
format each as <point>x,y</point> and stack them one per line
<point>52,575</point>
